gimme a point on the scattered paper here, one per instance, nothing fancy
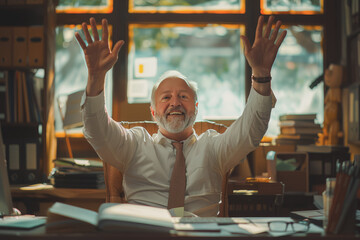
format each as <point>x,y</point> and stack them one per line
<point>248,229</point>
<point>211,227</point>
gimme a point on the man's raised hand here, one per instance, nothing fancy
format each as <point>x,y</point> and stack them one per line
<point>261,55</point>
<point>98,55</point>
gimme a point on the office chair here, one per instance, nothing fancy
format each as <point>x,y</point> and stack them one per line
<point>113,177</point>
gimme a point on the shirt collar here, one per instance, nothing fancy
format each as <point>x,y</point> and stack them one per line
<point>161,139</point>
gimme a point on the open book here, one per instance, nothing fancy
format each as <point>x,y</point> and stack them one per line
<point>112,217</point>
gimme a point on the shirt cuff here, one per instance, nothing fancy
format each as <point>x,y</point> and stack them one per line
<point>263,103</point>
<point>92,104</point>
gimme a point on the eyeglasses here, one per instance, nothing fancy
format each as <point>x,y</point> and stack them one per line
<point>282,226</point>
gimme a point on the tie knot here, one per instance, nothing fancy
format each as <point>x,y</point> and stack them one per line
<point>178,146</point>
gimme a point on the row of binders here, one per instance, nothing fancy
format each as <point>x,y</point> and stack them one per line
<point>22,150</point>
<point>20,96</point>
<point>20,2</point>
<point>344,203</point>
<point>22,46</point>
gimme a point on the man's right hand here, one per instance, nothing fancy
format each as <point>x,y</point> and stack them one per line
<point>99,57</point>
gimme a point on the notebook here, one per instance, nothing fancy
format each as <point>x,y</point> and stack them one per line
<point>9,218</point>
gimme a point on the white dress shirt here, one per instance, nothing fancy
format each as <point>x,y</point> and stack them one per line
<point>147,161</point>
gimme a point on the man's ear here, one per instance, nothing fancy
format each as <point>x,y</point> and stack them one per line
<point>196,107</point>
<point>152,113</point>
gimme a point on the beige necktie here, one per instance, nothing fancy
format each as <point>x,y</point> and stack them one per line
<point>178,182</point>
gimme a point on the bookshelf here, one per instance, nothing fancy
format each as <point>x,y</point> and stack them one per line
<point>351,113</point>
<point>30,14</point>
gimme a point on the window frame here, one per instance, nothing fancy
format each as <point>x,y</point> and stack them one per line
<point>120,18</point>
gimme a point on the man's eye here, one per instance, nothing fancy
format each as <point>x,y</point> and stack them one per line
<point>183,97</point>
<point>166,97</point>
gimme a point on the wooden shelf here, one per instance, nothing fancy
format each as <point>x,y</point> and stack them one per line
<point>39,15</point>
<point>36,199</point>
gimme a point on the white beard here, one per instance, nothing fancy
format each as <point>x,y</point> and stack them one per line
<point>177,124</point>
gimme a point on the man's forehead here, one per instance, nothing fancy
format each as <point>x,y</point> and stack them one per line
<point>173,83</point>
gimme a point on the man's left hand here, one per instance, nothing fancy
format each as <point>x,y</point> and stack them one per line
<point>261,55</point>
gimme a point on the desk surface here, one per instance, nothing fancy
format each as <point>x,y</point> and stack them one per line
<point>37,199</point>
<point>46,191</point>
<point>40,233</point>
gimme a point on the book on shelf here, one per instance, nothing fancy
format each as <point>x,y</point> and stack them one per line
<point>289,141</point>
<point>303,117</point>
<point>314,216</point>
<point>77,164</point>
<point>298,136</point>
<point>26,98</point>
<point>111,217</point>
<point>4,103</point>
<point>321,149</point>
<point>77,173</point>
<point>78,179</point>
<point>298,123</point>
<point>21,104</point>
<point>300,130</point>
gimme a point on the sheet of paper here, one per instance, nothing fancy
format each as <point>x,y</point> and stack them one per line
<point>209,227</point>
<point>248,229</point>
<point>313,214</point>
<point>22,222</point>
<point>263,222</point>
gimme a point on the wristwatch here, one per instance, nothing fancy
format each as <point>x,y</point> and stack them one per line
<point>261,79</point>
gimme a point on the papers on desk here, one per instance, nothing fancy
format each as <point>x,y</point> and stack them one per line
<point>257,225</point>
<point>21,222</point>
<point>134,218</point>
<point>247,229</point>
<point>207,227</point>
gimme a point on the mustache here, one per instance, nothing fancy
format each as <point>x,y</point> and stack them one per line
<point>177,108</point>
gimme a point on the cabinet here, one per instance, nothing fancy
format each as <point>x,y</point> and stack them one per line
<point>38,19</point>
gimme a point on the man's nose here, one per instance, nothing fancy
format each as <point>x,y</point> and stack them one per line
<point>175,101</point>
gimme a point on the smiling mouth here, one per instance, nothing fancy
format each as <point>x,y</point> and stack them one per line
<point>171,114</point>
<point>175,113</point>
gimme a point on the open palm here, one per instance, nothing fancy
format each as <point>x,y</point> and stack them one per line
<point>261,55</point>
<point>99,57</point>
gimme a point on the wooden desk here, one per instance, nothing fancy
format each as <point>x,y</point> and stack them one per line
<point>38,199</point>
<point>255,199</point>
<point>40,234</point>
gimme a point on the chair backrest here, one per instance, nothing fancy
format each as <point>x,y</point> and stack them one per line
<point>113,177</point>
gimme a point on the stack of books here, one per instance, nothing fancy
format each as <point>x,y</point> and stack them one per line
<point>298,129</point>
<point>77,173</point>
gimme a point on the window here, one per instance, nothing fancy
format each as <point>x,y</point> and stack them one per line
<point>187,6</point>
<point>201,39</point>
<point>209,55</point>
<point>298,64</point>
<point>291,6</point>
<point>71,71</point>
<point>84,6</point>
